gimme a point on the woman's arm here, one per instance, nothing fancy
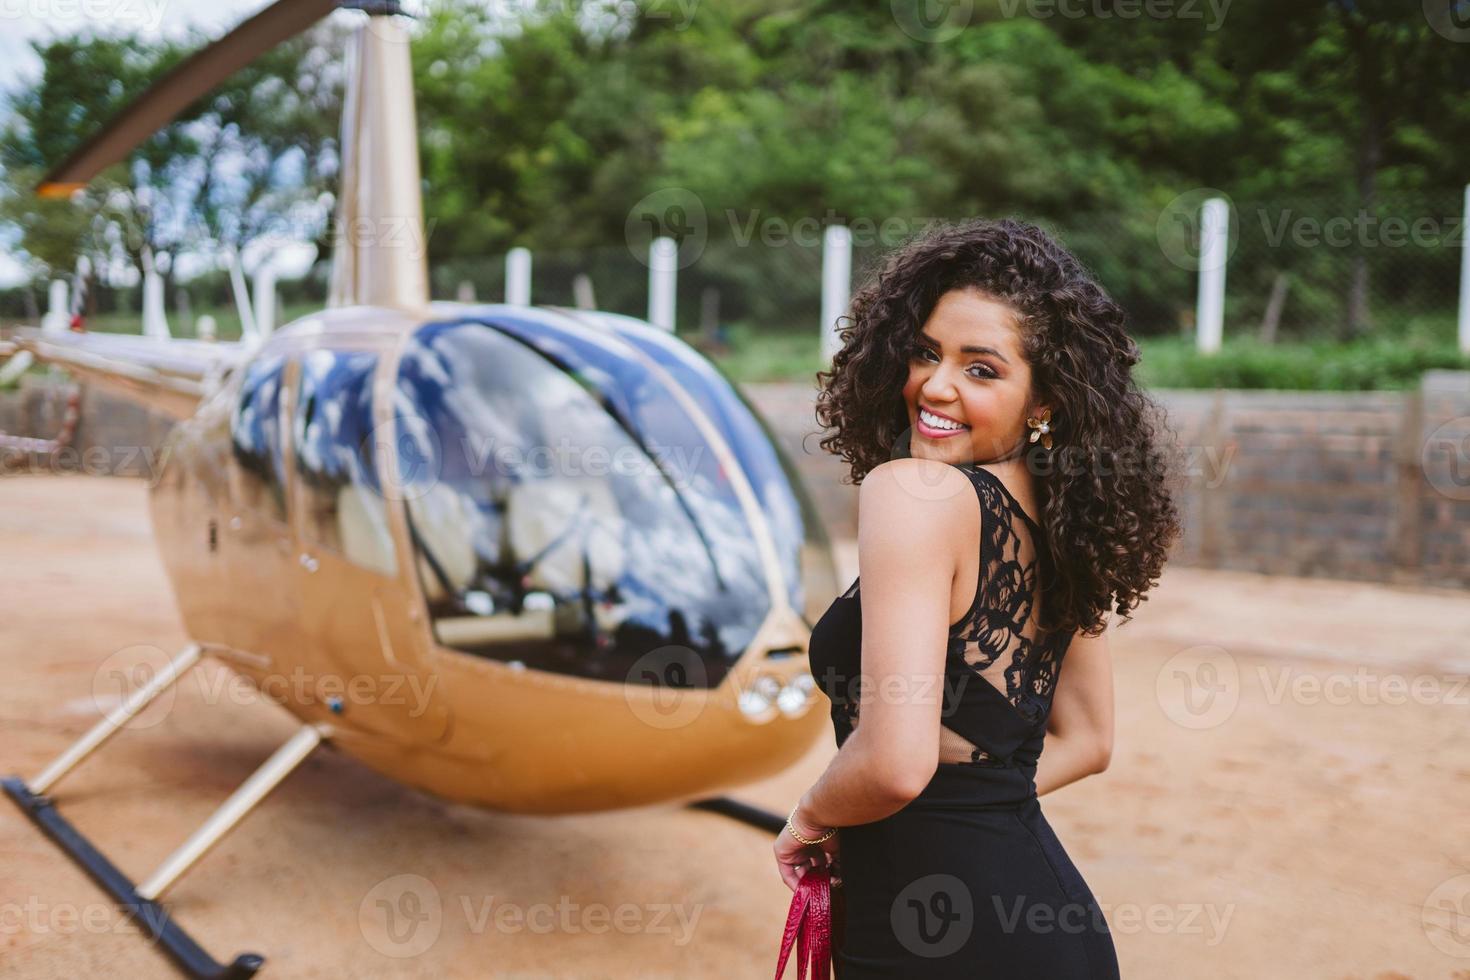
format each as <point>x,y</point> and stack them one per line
<point>912,512</point>
<point>1079,733</point>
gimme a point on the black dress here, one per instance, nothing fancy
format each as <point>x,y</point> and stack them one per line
<point>968,879</point>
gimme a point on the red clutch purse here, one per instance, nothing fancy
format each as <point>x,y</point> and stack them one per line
<point>809,926</point>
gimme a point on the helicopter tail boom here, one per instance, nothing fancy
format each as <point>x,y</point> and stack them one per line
<point>170,377</point>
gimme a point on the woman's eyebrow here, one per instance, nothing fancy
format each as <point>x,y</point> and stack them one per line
<point>967,348</point>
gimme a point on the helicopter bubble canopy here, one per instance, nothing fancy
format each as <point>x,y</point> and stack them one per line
<point>583,499</point>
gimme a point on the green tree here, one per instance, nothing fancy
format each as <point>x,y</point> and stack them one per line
<point>223,173</point>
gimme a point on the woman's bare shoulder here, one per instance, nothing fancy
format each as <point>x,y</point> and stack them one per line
<point>921,501</point>
<point>914,480</point>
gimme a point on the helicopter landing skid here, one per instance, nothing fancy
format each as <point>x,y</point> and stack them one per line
<point>152,916</point>
<point>744,812</point>
<point>143,900</point>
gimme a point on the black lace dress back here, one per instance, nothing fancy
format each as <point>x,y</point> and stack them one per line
<point>968,879</point>
<point>997,642</point>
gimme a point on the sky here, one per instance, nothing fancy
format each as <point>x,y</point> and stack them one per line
<point>24,20</point>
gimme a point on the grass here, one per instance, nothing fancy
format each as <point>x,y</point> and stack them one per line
<point>1369,364</point>
<point>770,355</point>
<point>1376,362</point>
<point>227,321</point>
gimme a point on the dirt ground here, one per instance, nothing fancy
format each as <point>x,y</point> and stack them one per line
<point>1288,798</point>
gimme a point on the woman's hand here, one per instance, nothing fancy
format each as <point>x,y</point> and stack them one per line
<point>794,858</point>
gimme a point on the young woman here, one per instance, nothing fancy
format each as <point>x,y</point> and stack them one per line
<point>1012,496</point>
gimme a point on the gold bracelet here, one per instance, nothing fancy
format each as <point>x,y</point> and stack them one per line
<point>806,840</point>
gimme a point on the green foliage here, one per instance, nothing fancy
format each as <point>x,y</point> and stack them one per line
<point>544,125</point>
<point>227,170</point>
<point>1172,362</point>
<point>1327,365</point>
<point>770,355</point>
<point>227,320</point>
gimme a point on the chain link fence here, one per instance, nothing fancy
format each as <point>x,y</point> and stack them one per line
<point>1307,268</point>
<point>1327,267</point>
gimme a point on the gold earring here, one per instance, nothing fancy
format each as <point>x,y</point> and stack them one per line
<point>1041,427</point>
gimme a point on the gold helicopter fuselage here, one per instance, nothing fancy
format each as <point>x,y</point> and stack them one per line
<point>337,625</point>
<point>554,643</point>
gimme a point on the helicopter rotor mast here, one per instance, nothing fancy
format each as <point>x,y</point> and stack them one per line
<point>379,254</point>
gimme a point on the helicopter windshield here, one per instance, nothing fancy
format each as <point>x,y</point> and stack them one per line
<point>801,540</point>
<point>566,514</point>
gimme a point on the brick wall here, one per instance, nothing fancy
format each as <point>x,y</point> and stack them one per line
<point>1359,485</point>
<point>114,436</point>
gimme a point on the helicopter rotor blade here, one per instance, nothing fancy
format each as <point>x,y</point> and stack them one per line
<point>178,88</point>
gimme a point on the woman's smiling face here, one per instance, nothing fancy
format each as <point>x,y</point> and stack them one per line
<point>967,366</point>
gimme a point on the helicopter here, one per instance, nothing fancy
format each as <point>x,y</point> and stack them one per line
<point>536,559</point>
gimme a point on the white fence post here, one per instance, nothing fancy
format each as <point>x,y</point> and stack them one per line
<point>57,317</point>
<point>663,278</point>
<point>518,276</point>
<point>1465,280</point>
<point>583,298</point>
<point>836,284</point>
<point>263,299</point>
<point>1214,250</point>
<point>155,320</point>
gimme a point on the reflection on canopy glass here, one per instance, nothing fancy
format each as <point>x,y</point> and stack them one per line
<point>338,500</point>
<point>800,539</point>
<point>550,529</point>
<point>259,474</point>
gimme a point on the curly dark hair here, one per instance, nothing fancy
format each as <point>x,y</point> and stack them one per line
<point>1103,490</point>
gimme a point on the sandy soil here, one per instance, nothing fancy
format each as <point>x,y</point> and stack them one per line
<point>1288,798</point>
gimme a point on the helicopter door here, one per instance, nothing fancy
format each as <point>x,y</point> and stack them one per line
<point>257,607</point>
<point>356,612</point>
